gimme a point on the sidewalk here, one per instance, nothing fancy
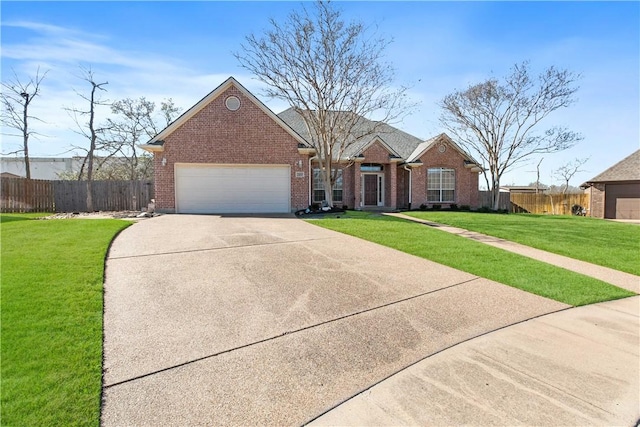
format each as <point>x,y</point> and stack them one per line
<point>618,278</point>
<point>575,367</point>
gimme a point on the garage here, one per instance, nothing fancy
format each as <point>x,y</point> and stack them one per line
<point>622,201</point>
<point>232,188</point>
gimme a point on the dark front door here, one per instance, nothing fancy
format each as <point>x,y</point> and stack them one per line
<point>371,190</point>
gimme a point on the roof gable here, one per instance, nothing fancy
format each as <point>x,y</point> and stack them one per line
<point>627,169</point>
<point>377,139</point>
<point>443,138</point>
<point>156,143</point>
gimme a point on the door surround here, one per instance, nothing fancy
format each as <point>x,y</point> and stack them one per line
<point>379,190</point>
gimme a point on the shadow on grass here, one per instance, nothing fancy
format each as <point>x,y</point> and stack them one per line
<point>20,217</point>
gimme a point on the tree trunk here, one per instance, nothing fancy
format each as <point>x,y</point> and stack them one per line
<point>25,135</point>
<point>495,193</point>
<point>328,187</point>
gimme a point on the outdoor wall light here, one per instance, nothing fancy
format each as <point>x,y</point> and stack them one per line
<point>164,161</point>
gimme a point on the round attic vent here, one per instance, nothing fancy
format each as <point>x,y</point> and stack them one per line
<point>232,103</point>
<point>442,148</point>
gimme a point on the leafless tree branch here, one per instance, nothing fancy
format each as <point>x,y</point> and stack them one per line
<point>15,97</point>
<point>498,121</point>
<point>332,73</point>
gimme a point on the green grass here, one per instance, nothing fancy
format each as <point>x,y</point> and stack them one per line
<point>610,244</point>
<point>51,314</point>
<point>475,258</point>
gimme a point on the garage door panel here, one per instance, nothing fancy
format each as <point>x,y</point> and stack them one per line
<point>628,208</point>
<point>233,188</point>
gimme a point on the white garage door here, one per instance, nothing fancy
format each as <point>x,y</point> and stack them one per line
<point>232,188</point>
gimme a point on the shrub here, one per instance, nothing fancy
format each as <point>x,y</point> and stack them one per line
<point>436,207</point>
<point>465,208</point>
<point>453,207</point>
<point>423,207</point>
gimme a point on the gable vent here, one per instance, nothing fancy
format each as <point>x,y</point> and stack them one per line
<point>232,103</point>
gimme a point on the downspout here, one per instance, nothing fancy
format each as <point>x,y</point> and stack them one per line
<point>408,169</point>
<point>311,177</point>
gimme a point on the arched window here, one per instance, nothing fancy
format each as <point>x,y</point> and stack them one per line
<point>441,185</point>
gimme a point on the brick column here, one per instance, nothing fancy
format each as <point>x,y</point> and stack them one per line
<point>357,180</point>
<point>393,176</point>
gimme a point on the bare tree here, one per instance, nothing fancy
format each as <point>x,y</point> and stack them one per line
<point>498,121</point>
<point>16,97</point>
<point>568,170</point>
<point>88,129</point>
<point>332,74</point>
<point>135,120</point>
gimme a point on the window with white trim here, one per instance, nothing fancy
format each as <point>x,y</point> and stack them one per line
<point>318,186</point>
<point>441,185</point>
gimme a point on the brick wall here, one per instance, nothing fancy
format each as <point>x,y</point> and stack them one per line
<point>218,135</point>
<point>466,192</point>
<point>597,200</point>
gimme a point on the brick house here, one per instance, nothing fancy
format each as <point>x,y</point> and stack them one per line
<point>229,153</point>
<point>615,193</point>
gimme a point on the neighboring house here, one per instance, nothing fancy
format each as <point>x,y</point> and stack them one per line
<point>229,153</point>
<point>615,193</point>
<point>523,189</point>
<point>41,167</point>
<point>9,175</point>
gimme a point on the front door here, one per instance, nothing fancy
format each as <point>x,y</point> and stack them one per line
<point>372,189</point>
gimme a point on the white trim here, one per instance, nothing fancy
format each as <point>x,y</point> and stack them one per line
<point>386,146</point>
<point>380,191</point>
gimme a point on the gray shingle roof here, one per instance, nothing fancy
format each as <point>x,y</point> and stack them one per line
<point>401,142</point>
<point>627,169</point>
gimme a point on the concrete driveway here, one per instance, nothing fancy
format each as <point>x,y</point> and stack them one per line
<point>272,321</point>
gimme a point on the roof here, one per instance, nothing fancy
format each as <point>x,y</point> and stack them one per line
<point>442,138</point>
<point>627,169</point>
<point>156,143</point>
<point>523,188</point>
<point>397,142</point>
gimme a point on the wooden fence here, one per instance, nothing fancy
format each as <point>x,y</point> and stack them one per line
<point>552,204</point>
<point>486,200</point>
<point>23,195</point>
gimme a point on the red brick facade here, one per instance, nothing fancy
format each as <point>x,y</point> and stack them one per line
<point>211,133</point>
<point>396,179</point>
<point>466,188</point>
<point>217,135</point>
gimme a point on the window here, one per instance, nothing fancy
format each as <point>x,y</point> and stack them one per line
<point>318,186</point>
<point>371,167</point>
<point>441,185</point>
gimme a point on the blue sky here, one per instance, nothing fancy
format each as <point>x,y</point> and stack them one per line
<point>183,50</point>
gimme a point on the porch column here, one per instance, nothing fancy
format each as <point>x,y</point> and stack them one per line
<point>393,177</point>
<point>357,180</point>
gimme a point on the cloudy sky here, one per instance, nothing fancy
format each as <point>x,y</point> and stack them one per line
<point>183,50</point>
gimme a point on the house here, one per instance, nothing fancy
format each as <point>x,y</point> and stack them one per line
<point>615,193</point>
<point>229,153</point>
<point>523,189</point>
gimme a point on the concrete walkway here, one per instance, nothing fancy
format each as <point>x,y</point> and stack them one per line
<point>575,367</point>
<point>619,278</point>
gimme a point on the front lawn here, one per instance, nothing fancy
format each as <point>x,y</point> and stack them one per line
<point>51,314</point>
<point>476,258</point>
<point>610,244</point>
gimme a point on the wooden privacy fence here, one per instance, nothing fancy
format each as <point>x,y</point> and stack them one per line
<point>552,204</point>
<point>23,195</point>
<point>486,200</point>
